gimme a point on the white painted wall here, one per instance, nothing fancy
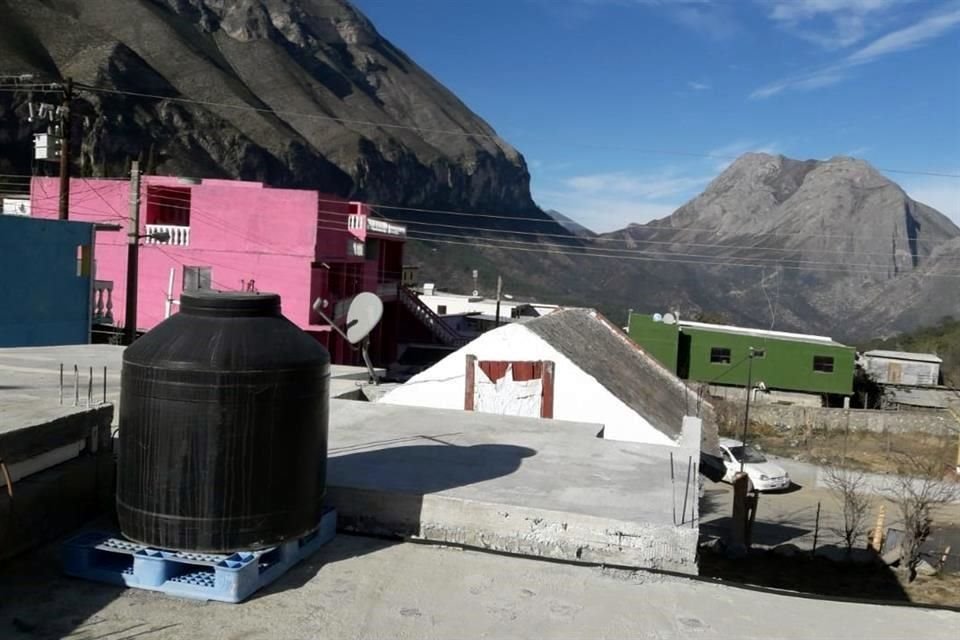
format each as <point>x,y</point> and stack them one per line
<point>506,396</point>
<point>577,395</point>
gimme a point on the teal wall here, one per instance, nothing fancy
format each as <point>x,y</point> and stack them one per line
<point>659,340</point>
<point>787,364</point>
<point>45,301</point>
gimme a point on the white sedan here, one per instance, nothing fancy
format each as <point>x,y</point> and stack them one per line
<point>764,475</point>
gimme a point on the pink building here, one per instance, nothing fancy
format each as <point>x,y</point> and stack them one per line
<point>234,235</point>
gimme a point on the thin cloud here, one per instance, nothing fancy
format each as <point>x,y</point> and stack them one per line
<point>605,214</point>
<point>698,86</point>
<point>831,24</point>
<point>911,37</point>
<point>651,186</point>
<point>714,20</point>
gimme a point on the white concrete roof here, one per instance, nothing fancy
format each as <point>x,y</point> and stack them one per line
<point>904,355</point>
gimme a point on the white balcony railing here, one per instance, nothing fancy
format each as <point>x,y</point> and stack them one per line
<point>103,301</point>
<point>179,235</point>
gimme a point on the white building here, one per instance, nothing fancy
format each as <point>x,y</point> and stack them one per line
<point>443,304</point>
<point>571,364</point>
<point>903,367</point>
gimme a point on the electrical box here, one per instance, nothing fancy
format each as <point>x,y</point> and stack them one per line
<point>46,146</point>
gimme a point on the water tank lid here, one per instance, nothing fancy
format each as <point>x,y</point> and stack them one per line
<point>229,303</point>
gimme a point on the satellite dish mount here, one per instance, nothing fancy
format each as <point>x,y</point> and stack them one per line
<point>364,314</point>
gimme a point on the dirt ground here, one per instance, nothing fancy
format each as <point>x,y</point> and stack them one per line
<point>864,450</point>
<point>810,515</point>
<point>825,577</point>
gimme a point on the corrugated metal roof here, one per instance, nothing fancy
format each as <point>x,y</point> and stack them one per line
<point>904,355</point>
<point>603,351</point>
<point>924,397</point>
<point>761,333</point>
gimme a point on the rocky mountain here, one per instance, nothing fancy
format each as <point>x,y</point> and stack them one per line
<point>301,93</point>
<point>829,246</point>
<point>307,93</point>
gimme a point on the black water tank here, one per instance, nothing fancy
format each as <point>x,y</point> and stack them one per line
<point>223,427</point>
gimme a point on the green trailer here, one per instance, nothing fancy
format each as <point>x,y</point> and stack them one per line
<point>718,354</point>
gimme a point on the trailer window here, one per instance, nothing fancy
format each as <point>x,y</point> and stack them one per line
<point>719,355</point>
<point>823,364</point>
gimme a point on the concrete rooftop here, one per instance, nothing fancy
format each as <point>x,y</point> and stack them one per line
<point>524,485</point>
<point>360,587</point>
<point>29,381</point>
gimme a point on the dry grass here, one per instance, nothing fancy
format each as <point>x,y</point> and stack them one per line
<point>937,590</point>
<point>863,450</point>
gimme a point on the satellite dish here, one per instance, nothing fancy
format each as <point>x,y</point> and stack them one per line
<point>668,318</point>
<point>657,317</point>
<point>363,315</point>
<point>475,293</point>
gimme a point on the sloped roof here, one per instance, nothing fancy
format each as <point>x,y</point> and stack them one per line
<point>904,355</point>
<point>603,351</point>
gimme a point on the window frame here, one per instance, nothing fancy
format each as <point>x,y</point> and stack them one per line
<point>200,271</point>
<point>718,359</point>
<point>822,360</point>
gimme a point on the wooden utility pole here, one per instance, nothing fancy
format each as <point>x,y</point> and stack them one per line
<point>499,294</point>
<point>65,130</point>
<point>746,411</point>
<point>133,255</point>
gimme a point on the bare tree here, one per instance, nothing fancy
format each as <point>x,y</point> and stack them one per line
<point>918,490</point>
<point>849,488</point>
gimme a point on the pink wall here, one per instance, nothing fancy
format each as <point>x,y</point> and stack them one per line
<point>242,230</point>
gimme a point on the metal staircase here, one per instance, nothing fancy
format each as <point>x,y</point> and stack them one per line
<point>440,330</point>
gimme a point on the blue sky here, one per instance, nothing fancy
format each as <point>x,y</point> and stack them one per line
<point>604,97</point>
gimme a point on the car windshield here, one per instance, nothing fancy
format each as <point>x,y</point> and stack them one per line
<point>747,454</point>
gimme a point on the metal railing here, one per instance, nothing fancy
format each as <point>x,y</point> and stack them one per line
<point>431,320</point>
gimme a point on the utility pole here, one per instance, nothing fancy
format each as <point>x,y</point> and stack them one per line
<point>499,294</point>
<point>65,122</point>
<point>746,413</point>
<point>133,255</point>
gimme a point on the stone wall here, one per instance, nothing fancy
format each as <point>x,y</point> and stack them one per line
<point>939,423</point>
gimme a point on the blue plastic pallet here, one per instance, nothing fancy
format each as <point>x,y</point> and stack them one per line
<point>232,577</point>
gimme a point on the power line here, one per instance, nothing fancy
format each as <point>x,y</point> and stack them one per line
<point>175,202</point>
<point>466,134</point>
<point>620,240</point>
<point>539,248</point>
<point>546,219</point>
